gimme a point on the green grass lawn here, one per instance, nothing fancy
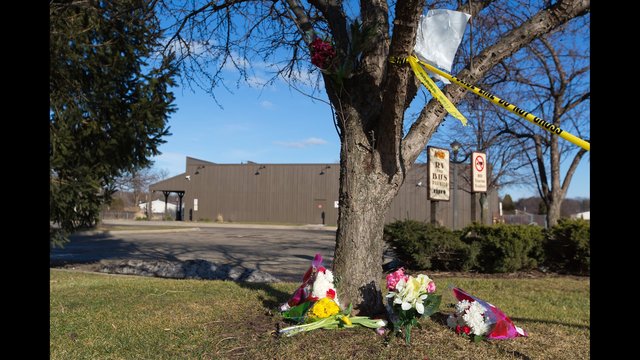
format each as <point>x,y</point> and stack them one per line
<point>100,316</point>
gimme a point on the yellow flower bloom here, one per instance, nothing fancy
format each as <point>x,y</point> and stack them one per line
<point>324,308</point>
<point>345,319</point>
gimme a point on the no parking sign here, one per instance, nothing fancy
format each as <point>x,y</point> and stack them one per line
<point>478,172</point>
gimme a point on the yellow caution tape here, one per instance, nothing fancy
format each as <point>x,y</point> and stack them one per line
<point>434,90</point>
<point>514,109</point>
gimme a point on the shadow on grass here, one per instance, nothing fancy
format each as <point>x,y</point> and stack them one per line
<point>274,298</point>
<point>440,318</point>
<point>577,326</point>
<point>516,354</point>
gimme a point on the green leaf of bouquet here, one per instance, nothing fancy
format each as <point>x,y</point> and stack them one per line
<point>431,305</point>
<point>348,311</point>
<point>298,312</point>
<point>407,334</point>
<point>365,321</point>
<point>477,338</point>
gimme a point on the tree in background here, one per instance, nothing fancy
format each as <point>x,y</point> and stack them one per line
<point>350,45</point>
<point>551,78</point>
<point>507,204</point>
<point>137,182</point>
<point>109,103</point>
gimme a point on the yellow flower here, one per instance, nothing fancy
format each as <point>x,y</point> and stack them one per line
<point>345,319</point>
<point>324,308</point>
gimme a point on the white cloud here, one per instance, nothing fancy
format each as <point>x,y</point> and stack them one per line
<point>301,144</point>
<point>265,104</point>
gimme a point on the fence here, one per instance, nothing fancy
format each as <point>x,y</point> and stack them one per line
<point>118,215</point>
<point>525,218</point>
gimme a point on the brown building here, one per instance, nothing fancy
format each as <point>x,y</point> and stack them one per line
<point>300,194</point>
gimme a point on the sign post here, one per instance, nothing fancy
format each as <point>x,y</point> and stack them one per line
<point>478,183</point>
<point>438,178</point>
<point>438,185</point>
<point>479,172</point>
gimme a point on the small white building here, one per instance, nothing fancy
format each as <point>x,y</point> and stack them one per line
<point>586,215</point>
<point>157,207</point>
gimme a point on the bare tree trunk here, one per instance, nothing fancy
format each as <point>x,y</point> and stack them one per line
<point>365,199</point>
<point>553,212</point>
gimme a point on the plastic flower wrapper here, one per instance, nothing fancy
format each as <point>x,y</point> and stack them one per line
<point>317,283</point>
<point>410,298</point>
<point>479,319</point>
<point>315,304</point>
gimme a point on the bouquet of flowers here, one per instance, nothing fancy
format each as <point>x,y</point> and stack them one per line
<point>315,305</point>
<point>479,319</point>
<point>408,299</point>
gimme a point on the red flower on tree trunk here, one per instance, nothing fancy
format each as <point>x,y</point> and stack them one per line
<point>322,53</point>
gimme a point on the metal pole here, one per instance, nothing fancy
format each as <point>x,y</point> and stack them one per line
<point>434,211</point>
<point>455,190</point>
<point>474,217</point>
<point>483,201</point>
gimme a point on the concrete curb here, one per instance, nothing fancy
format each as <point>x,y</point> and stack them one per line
<point>150,231</point>
<point>139,231</point>
<point>220,225</point>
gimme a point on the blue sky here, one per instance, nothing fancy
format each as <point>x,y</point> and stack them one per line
<point>271,125</point>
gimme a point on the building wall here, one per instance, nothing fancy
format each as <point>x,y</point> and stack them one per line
<point>299,194</point>
<point>290,193</point>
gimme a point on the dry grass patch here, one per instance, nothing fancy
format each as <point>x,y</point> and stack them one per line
<point>126,317</point>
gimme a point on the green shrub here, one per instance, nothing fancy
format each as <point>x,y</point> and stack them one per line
<point>567,247</point>
<point>425,246</point>
<point>505,247</point>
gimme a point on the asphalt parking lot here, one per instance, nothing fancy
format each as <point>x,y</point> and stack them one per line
<point>284,252</point>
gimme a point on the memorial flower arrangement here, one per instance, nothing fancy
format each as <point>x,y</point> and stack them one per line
<point>478,319</point>
<point>322,53</point>
<point>470,319</point>
<point>314,305</point>
<point>410,298</point>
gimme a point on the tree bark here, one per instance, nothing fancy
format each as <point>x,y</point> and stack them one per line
<point>366,193</point>
<point>553,212</point>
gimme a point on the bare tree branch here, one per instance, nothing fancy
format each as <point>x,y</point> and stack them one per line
<point>542,23</point>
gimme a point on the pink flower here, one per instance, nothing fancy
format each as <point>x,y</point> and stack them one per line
<point>431,287</point>
<point>395,277</point>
